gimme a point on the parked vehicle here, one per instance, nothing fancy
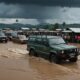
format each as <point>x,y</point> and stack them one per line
<point>9,36</point>
<point>54,47</point>
<point>19,38</point>
<point>3,37</point>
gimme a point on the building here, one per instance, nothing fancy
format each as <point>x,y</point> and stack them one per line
<point>76,34</point>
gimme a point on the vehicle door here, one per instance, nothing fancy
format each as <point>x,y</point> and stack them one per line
<point>38,45</point>
<point>31,43</point>
<point>45,46</point>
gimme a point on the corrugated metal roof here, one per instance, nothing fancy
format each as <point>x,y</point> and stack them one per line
<point>67,31</point>
<point>23,28</point>
<point>76,30</point>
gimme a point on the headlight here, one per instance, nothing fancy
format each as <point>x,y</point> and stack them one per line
<point>62,52</point>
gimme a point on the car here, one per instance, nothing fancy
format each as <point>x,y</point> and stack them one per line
<point>3,37</point>
<point>54,47</point>
<point>9,36</point>
<point>19,38</point>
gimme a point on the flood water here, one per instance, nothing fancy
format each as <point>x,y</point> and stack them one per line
<point>15,64</point>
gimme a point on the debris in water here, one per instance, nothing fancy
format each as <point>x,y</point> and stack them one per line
<point>19,51</point>
<point>4,56</point>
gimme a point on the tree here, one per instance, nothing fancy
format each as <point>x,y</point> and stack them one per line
<point>56,26</point>
<point>63,25</point>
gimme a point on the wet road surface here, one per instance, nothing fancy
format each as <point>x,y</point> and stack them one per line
<point>15,64</point>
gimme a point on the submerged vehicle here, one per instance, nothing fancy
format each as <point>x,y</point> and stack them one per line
<point>54,47</point>
<point>3,37</point>
<point>19,38</point>
<point>9,35</point>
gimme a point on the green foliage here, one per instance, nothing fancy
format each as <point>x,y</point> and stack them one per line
<point>44,26</point>
<point>63,25</point>
<point>56,26</point>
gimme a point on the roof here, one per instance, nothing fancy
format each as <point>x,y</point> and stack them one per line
<point>67,31</point>
<point>76,30</point>
<point>23,28</point>
<point>45,36</point>
<point>58,29</point>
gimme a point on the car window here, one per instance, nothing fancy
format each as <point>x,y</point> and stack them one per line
<point>39,40</point>
<point>45,42</point>
<point>56,41</point>
<point>8,34</point>
<point>22,36</point>
<point>14,34</point>
<point>31,39</point>
<point>2,34</point>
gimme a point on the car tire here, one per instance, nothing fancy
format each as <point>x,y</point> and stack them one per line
<point>31,52</point>
<point>73,59</point>
<point>6,41</point>
<point>54,58</point>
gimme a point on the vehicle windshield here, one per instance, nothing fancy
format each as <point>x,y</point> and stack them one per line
<point>14,34</point>
<point>2,34</point>
<point>56,41</point>
<point>22,37</point>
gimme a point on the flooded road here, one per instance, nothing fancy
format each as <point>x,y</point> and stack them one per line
<point>15,64</point>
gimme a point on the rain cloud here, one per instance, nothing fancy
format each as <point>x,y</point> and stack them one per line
<point>42,10</point>
<point>44,2</point>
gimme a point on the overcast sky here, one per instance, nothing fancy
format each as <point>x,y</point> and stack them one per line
<point>39,11</point>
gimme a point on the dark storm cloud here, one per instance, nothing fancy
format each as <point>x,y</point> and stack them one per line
<point>44,2</point>
<point>29,11</point>
<point>41,10</point>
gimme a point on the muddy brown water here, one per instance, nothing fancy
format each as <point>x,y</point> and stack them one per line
<point>15,64</point>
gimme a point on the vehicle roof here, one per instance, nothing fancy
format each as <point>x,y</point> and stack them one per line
<point>44,36</point>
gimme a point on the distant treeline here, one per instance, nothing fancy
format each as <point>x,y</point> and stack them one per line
<point>44,26</point>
